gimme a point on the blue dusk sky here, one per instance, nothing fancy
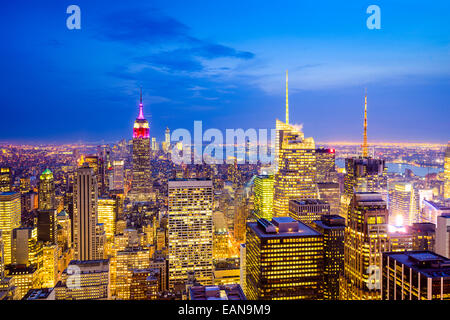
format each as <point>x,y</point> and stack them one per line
<point>224,62</point>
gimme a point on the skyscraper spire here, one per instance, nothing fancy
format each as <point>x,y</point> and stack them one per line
<point>365,147</point>
<point>287,101</point>
<point>141,108</point>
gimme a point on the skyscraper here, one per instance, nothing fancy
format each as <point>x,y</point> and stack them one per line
<point>295,163</point>
<point>46,198</point>
<point>5,179</point>
<point>402,204</point>
<point>9,219</point>
<point>85,215</point>
<point>46,226</point>
<point>325,165</point>
<point>363,175</point>
<point>263,186</point>
<point>330,192</point>
<point>365,240</point>
<point>284,260</point>
<point>141,186</point>
<point>117,182</point>
<point>107,213</point>
<point>443,236</point>
<point>190,231</point>
<point>447,172</point>
<point>333,229</point>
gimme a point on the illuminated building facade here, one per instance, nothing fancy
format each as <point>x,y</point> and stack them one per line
<point>25,278</point>
<point>443,236</point>
<point>144,284</point>
<point>423,236</point>
<point>26,250</point>
<point>46,197</point>
<point>10,211</point>
<point>296,175</point>
<point>432,210</point>
<point>400,241</point>
<point>85,215</point>
<point>141,184</point>
<point>330,192</point>
<point>86,280</point>
<point>403,207</point>
<point>118,175</point>
<point>447,172</point>
<point>127,260</point>
<point>263,186</point>
<point>365,240</point>
<point>5,179</point>
<point>325,165</point>
<point>107,213</point>
<point>415,275</point>
<point>49,266</point>
<point>363,175</point>
<point>284,260</point>
<point>308,210</point>
<point>190,231</point>
<point>64,233</point>
<point>332,227</point>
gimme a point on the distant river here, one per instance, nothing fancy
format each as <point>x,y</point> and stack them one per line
<point>400,168</point>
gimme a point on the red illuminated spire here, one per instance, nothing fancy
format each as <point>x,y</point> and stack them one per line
<point>141,108</point>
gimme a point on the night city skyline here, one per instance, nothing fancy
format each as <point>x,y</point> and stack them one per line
<point>225,69</point>
<point>270,153</point>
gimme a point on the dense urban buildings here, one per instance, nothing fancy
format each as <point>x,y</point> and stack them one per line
<point>123,221</point>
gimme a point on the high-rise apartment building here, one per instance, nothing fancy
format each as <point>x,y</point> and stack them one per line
<point>263,186</point>
<point>190,231</point>
<point>365,240</point>
<point>332,227</point>
<point>284,260</point>
<point>141,185</point>
<point>10,211</point>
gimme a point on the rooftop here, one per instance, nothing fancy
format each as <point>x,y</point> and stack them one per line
<point>221,292</point>
<point>282,227</point>
<point>428,263</point>
<point>309,201</point>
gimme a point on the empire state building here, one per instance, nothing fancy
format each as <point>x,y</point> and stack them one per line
<point>141,185</point>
